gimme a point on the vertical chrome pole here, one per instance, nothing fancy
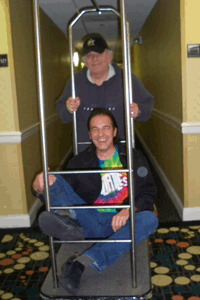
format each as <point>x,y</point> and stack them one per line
<point>75,143</point>
<point>130,81</point>
<point>42,122</point>
<point>128,134</point>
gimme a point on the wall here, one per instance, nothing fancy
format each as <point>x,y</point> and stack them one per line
<point>11,171</point>
<point>191,106</point>
<point>20,145</point>
<point>166,72</point>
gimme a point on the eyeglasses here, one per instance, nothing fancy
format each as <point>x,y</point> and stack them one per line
<point>92,55</point>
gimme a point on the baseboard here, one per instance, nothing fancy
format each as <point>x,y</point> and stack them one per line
<point>172,193</point>
<point>14,221</point>
<point>191,214</point>
<point>21,221</point>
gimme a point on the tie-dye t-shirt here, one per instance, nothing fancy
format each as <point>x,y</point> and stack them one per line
<point>114,185</point>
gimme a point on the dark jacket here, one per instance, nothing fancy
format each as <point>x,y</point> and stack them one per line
<point>109,95</point>
<point>88,186</point>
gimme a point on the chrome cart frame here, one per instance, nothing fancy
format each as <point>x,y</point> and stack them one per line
<point>129,130</point>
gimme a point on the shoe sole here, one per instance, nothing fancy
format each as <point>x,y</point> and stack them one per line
<point>68,287</point>
<point>70,278</point>
<point>52,226</point>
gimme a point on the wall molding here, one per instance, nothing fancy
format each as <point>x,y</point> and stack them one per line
<point>12,137</point>
<point>191,213</point>
<point>14,221</point>
<point>17,137</point>
<point>191,127</point>
<point>183,127</point>
<point>167,118</point>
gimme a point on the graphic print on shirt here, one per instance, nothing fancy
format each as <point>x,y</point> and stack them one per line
<point>114,185</point>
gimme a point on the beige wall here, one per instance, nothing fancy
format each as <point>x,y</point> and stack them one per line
<point>11,171</point>
<point>191,101</point>
<point>19,103</point>
<point>12,189</point>
<point>8,108</point>
<point>174,80</point>
<point>159,67</point>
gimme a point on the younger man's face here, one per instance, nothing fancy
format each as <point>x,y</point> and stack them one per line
<point>102,132</point>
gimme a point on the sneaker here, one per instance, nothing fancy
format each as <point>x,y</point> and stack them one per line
<point>71,276</point>
<point>60,227</point>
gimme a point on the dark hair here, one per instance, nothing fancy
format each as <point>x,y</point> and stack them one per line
<point>103,112</point>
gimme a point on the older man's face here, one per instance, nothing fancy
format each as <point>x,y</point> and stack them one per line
<point>97,63</point>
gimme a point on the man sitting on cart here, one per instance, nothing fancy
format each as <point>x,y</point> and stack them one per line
<point>98,189</point>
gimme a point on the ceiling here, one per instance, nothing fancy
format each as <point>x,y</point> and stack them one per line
<point>107,23</point>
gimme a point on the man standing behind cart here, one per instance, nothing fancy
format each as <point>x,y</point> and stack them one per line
<point>98,189</point>
<point>100,84</point>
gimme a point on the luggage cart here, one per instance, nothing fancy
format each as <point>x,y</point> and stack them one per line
<point>129,277</point>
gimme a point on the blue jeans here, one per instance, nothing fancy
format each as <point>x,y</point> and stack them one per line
<point>98,225</point>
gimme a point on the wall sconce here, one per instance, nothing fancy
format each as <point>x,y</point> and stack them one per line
<point>138,40</point>
<point>76,59</point>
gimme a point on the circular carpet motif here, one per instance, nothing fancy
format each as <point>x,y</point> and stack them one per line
<point>189,267</point>
<point>195,278</point>
<point>40,255</point>
<point>174,229</point>
<point>7,296</point>
<point>7,238</point>
<point>181,262</point>
<point>193,250</point>
<point>163,230</point>
<point>182,280</point>
<point>161,270</point>
<point>161,280</point>
<point>153,265</point>
<point>185,256</point>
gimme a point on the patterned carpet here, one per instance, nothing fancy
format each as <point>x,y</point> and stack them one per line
<point>175,262</point>
<point>24,263</point>
<point>174,253</point>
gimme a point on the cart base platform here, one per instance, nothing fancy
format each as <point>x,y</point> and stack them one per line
<point>114,282</point>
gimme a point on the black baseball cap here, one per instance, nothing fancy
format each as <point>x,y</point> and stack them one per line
<point>94,43</point>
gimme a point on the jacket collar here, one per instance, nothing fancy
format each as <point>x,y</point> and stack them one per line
<point>116,69</point>
<point>90,155</point>
<point>111,73</point>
